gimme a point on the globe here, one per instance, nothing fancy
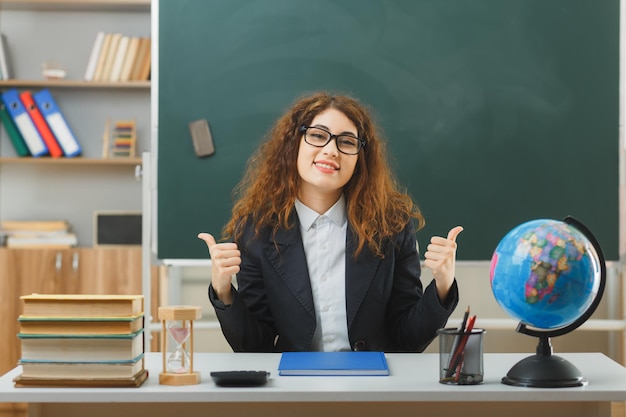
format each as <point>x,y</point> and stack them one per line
<point>549,275</point>
<point>545,273</point>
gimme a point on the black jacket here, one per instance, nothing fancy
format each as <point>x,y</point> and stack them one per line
<point>387,309</point>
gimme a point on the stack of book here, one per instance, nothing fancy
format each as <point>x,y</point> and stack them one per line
<point>44,234</point>
<point>81,341</point>
<point>116,57</point>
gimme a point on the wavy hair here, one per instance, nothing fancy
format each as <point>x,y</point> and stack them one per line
<point>376,207</point>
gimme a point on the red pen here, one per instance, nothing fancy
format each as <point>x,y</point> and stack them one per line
<point>457,359</point>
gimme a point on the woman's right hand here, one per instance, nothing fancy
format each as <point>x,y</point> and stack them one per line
<point>225,261</point>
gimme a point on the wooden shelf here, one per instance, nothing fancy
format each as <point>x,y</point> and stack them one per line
<point>71,161</point>
<point>74,84</point>
<point>91,5</point>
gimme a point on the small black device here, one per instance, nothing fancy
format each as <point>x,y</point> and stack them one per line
<point>240,378</point>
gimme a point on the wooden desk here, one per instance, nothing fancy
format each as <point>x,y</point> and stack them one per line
<point>412,389</point>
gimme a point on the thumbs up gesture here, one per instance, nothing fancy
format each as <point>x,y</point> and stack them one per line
<point>440,258</point>
<point>225,261</point>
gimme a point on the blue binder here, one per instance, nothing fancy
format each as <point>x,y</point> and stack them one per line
<point>24,123</point>
<point>51,112</point>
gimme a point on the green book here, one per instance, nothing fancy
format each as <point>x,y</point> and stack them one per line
<point>14,135</point>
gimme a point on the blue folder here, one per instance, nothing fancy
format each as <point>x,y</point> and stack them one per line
<point>363,363</point>
<point>24,123</point>
<point>62,132</point>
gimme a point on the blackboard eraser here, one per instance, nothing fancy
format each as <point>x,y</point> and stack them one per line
<point>201,138</point>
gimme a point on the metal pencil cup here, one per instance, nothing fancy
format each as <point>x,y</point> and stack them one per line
<point>460,356</point>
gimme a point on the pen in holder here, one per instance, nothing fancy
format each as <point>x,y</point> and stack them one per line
<point>461,356</point>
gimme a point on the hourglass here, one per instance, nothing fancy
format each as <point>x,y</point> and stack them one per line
<point>177,322</point>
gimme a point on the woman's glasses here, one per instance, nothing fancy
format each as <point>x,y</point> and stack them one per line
<point>316,136</point>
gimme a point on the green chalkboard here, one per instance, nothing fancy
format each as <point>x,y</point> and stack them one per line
<point>495,111</point>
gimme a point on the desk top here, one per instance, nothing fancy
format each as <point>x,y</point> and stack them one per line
<point>414,378</point>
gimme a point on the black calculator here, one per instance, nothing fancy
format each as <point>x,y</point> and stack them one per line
<point>240,378</point>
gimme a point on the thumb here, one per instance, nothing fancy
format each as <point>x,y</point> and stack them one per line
<point>208,239</point>
<point>454,232</point>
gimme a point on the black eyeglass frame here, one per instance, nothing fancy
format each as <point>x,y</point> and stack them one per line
<point>361,142</point>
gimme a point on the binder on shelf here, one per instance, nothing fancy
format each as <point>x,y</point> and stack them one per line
<point>14,135</point>
<point>44,130</point>
<point>51,112</point>
<point>93,57</point>
<point>4,61</point>
<point>36,145</point>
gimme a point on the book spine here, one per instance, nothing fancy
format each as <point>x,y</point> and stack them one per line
<point>129,60</point>
<point>93,57</point>
<point>4,64</point>
<point>102,55</point>
<point>110,58</point>
<point>118,60</point>
<point>14,135</point>
<point>144,73</point>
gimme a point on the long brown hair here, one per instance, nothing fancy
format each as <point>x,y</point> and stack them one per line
<point>376,208</point>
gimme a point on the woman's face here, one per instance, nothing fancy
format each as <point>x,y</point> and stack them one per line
<point>324,171</point>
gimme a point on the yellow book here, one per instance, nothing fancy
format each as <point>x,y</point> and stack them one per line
<point>56,370</point>
<point>129,60</point>
<point>81,305</point>
<point>118,59</point>
<point>144,72</point>
<point>110,58</point>
<point>82,348</point>
<point>143,49</point>
<point>34,225</point>
<point>104,52</point>
<point>136,380</point>
<point>80,325</point>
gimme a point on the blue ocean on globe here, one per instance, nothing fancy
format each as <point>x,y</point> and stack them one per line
<point>545,273</point>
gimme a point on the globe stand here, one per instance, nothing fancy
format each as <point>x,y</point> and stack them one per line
<point>545,370</point>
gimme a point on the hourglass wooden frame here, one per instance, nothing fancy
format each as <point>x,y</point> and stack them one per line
<point>185,314</point>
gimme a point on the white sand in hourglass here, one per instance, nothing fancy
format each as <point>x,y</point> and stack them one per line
<point>178,362</point>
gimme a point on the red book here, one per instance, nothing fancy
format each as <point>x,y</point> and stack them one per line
<point>41,124</point>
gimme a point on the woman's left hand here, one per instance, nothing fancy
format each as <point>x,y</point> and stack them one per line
<point>440,258</point>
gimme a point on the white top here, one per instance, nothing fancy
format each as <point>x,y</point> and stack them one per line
<point>324,240</point>
<point>414,378</point>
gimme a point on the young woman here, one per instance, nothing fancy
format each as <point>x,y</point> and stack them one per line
<point>324,243</point>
